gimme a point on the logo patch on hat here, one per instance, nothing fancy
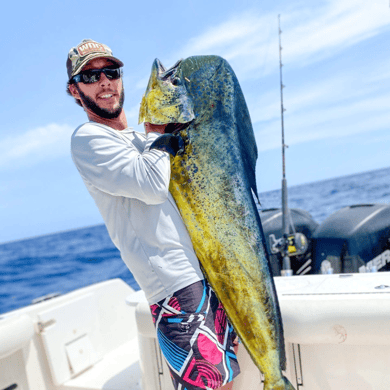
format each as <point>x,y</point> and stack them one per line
<point>85,51</point>
<point>90,47</point>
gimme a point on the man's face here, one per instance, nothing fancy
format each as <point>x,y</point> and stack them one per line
<point>105,97</point>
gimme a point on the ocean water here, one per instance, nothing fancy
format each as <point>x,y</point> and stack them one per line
<point>62,262</point>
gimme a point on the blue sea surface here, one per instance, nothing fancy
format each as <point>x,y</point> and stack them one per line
<point>323,198</point>
<point>62,262</point>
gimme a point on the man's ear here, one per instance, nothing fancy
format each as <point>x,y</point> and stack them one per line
<point>73,90</point>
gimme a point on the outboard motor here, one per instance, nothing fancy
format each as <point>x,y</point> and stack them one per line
<point>353,239</point>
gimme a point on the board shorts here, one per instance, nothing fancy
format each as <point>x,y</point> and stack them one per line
<point>196,338</point>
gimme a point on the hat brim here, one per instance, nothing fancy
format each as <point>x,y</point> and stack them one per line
<point>90,57</point>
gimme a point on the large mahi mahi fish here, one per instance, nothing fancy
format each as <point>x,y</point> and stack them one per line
<point>213,183</point>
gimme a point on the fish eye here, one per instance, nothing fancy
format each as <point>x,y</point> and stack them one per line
<point>176,81</point>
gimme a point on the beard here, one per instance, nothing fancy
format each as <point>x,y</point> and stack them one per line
<point>102,112</point>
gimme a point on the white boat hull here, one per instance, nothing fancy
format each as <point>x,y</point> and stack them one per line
<point>102,337</point>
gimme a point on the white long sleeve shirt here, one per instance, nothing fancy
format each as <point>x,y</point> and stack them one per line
<point>129,184</point>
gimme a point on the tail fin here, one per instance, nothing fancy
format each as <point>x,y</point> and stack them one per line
<point>283,384</point>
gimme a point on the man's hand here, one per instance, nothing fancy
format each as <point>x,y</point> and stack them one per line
<point>150,127</point>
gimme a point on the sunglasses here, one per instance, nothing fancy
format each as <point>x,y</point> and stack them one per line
<point>93,75</point>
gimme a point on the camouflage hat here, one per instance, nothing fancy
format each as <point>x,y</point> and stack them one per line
<point>86,51</point>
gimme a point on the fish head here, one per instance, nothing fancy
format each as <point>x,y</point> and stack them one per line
<point>166,99</point>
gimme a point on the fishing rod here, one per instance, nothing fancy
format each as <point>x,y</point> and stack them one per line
<point>291,243</point>
<point>285,211</point>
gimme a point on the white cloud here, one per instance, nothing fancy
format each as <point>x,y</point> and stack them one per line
<point>310,34</point>
<point>336,104</point>
<point>338,25</point>
<point>244,37</point>
<point>336,88</point>
<point>38,144</point>
<point>250,42</point>
<point>225,36</point>
<point>321,123</point>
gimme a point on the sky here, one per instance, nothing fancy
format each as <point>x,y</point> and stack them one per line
<point>336,72</point>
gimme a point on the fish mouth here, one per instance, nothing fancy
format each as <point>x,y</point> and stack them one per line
<point>167,74</point>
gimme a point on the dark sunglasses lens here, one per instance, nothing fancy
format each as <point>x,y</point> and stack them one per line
<point>112,73</point>
<point>90,77</point>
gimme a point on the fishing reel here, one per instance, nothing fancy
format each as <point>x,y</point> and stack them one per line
<point>290,245</point>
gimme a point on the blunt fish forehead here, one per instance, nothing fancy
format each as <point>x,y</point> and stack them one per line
<point>166,99</point>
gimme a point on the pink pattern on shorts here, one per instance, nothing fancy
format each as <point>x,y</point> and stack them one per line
<point>220,323</point>
<point>174,304</point>
<point>206,373</point>
<point>209,350</point>
<point>153,309</point>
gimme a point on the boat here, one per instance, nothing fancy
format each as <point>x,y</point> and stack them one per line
<point>102,337</point>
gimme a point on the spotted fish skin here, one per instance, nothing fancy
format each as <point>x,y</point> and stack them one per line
<point>213,183</point>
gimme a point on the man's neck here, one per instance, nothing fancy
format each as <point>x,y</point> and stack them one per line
<point>119,123</point>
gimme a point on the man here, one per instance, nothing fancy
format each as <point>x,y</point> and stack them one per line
<point>129,184</point>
